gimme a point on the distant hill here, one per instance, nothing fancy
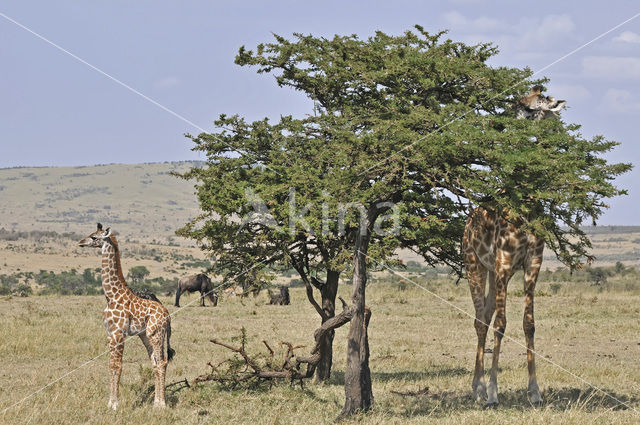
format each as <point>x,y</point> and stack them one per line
<point>140,201</point>
<point>144,203</point>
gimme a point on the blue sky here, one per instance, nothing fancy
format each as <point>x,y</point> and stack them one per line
<point>55,110</point>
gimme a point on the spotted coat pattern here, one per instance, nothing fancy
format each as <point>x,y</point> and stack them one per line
<point>128,315</point>
<point>495,249</point>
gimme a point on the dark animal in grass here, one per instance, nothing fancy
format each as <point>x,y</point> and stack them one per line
<point>197,282</point>
<point>282,298</point>
<point>147,295</point>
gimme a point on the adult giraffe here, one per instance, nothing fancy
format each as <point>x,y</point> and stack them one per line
<point>496,248</point>
<point>127,315</point>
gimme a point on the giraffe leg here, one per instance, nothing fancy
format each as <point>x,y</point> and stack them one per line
<point>159,364</point>
<point>116,348</point>
<point>500,323</point>
<point>490,300</point>
<point>147,344</point>
<point>477,275</point>
<point>489,310</point>
<point>528,324</point>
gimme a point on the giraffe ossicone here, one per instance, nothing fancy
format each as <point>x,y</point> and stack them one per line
<point>495,249</point>
<point>127,315</point>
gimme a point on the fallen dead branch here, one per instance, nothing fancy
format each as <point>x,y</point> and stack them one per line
<point>259,369</point>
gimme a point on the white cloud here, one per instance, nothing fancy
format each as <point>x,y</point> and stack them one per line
<point>557,24</point>
<point>166,82</point>
<point>466,2</point>
<point>484,23</point>
<point>628,37</point>
<point>620,101</point>
<point>569,92</point>
<point>532,33</point>
<point>611,67</point>
<point>455,19</point>
<point>528,35</point>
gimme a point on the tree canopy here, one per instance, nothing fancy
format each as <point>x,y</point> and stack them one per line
<point>413,119</point>
<point>409,132</point>
<point>137,274</point>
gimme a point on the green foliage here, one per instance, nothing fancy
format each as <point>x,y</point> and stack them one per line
<point>23,290</point>
<point>72,283</point>
<point>16,284</point>
<point>197,264</point>
<point>69,282</point>
<point>596,276</point>
<point>155,285</point>
<point>137,274</point>
<point>6,284</point>
<point>415,121</point>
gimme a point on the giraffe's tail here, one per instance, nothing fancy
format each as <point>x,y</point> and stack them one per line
<point>170,351</point>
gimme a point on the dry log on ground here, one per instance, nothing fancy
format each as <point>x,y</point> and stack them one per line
<point>251,370</point>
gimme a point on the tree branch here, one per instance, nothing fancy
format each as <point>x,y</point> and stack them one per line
<point>291,366</point>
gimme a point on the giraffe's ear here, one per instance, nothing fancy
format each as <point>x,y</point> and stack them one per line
<point>99,226</point>
<point>107,233</point>
<point>558,105</point>
<point>537,89</point>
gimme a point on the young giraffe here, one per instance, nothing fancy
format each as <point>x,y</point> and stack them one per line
<point>496,248</point>
<point>126,315</point>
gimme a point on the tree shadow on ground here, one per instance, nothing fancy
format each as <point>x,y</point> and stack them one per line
<point>556,399</point>
<point>419,375</point>
<point>337,376</point>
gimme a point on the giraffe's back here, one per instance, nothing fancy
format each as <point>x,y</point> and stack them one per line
<point>495,241</point>
<point>142,314</point>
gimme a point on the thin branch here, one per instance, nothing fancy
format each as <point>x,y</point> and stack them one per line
<point>290,368</point>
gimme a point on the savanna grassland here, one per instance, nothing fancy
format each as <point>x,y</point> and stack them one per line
<point>54,348</point>
<point>416,339</point>
<point>142,201</point>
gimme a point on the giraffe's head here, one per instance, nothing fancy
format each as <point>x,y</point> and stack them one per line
<point>535,106</point>
<point>97,238</point>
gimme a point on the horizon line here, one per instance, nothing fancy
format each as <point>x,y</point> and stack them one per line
<point>14,167</point>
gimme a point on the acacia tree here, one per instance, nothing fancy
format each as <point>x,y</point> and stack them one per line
<point>136,274</point>
<point>279,214</point>
<point>416,122</point>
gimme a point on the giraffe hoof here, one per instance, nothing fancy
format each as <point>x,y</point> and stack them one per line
<point>534,397</point>
<point>480,396</point>
<point>537,403</point>
<point>491,405</point>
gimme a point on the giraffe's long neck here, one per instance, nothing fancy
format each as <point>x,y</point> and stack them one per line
<point>113,282</point>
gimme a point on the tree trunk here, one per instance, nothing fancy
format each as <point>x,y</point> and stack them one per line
<point>329,292</point>
<point>357,385</point>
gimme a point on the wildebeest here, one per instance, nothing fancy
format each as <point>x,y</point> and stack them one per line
<point>282,298</point>
<point>197,282</point>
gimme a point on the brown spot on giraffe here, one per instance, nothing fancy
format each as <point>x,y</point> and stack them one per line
<point>493,250</point>
<point>127,315</point>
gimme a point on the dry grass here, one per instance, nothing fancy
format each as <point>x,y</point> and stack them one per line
<point>416,341</point>
<point>64,254</point>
